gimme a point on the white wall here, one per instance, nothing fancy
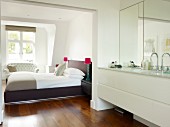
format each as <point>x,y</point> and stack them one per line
<point>127,3</point>
<point>3,48</point>
<point>3,44</point>
<point>73,39</point>
<point>108,32</point>
<point>158,9</point>
<point>41,48</point>
<point>79,39</point>
<point>60,42</point>
<point>129,35</point>
<point>153,8</point>
<point>1,103</point>
<point>51,31</point>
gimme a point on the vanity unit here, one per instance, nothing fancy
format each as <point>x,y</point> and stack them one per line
<point>144,35</point>
<point>144,93</point>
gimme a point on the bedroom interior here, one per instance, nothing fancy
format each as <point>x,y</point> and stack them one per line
<point>58,36</point>
<point>68,33</point>
<point>85,63</point>
<point>62,29</point>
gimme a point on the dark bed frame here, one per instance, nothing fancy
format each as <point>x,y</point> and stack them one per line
<point>37,94</point>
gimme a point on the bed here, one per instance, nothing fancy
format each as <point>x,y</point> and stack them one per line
<point>45,93</point>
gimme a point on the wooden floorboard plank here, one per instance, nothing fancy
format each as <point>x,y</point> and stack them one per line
<point>65,112</point>
<point>82,112</point>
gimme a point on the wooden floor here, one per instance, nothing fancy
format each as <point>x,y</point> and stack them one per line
<point>70,112</point>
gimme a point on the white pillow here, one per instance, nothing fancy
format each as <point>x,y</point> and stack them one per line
<point>73,71</point>
<point>59,70</point>
<point>74,76</point>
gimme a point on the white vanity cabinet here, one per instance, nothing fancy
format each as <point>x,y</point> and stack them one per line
<point>143,95</point>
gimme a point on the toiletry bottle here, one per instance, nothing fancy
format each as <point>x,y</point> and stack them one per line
<point>150,65</point>
<point>146,65</point>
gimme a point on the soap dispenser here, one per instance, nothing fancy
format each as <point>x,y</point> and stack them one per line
<point>146,64</point>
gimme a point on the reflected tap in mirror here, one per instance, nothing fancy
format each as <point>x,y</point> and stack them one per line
<point>162,62</point>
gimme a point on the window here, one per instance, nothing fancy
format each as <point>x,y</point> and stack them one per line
<point>20,46</point>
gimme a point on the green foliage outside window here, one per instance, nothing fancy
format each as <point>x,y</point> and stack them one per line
<point>13,36</point>
<point>11,48</point>
<point>27,48</point>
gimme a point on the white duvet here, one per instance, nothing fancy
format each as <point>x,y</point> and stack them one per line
<point>49,80</point>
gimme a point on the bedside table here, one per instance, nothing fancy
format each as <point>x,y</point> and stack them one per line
<point>87,87</point>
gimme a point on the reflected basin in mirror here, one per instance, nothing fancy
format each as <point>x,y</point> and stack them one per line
<point>160,72</point>
<point>167,72</point>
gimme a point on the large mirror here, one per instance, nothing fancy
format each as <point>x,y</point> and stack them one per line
<point>131,34</point>
<point>157,30</point>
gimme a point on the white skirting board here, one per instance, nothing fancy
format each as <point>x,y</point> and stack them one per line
<point>101,104</point>
<point>92,104</point>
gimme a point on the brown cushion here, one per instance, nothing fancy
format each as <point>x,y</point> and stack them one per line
<point>12,68</point>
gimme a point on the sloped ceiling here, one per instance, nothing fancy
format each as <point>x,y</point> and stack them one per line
<point>19,10</point>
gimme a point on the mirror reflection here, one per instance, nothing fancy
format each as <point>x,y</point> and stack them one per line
<point>131,35</point>
<point>145,34</point>
<point>157,32</point>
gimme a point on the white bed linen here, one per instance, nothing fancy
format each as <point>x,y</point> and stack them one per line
<point>49,80</point>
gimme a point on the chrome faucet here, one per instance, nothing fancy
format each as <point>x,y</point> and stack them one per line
<point>162,66</point>
<point>154,53</point>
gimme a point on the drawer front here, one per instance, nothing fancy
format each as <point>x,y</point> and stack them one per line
<point>150,87</point>
<point>107,78</point>
<point>161,114</point>
<point>107,93</point>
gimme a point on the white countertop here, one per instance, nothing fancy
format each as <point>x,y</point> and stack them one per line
<point>139,71</point>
